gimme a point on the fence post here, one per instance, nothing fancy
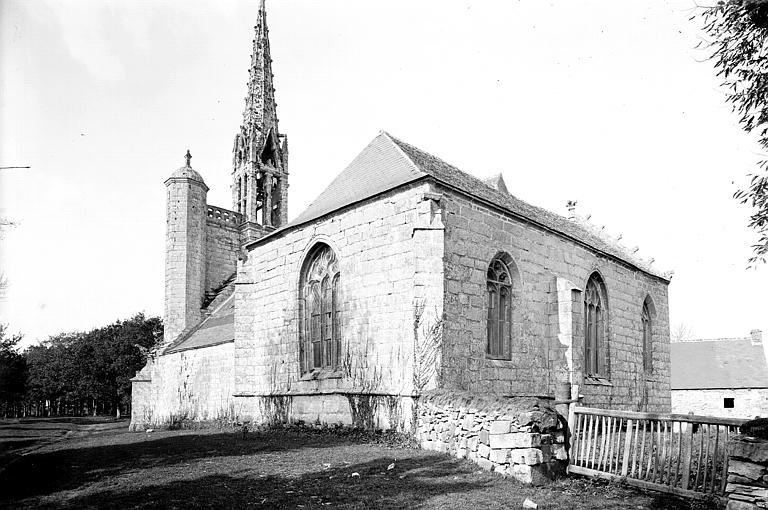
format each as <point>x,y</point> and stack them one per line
<point>688,454</point>
<point>627,448</point>
<point>572,422</point>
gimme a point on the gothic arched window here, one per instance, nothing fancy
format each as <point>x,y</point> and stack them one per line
<point>595,325</point>
<point>319,307</point>
<point>646,318</point>
<point>499,284</point>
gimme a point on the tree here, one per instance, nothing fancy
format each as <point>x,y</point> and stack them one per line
<point>13,370</point>
<point>77,373</point>
<point>680,333</point>
<point>739,43</point>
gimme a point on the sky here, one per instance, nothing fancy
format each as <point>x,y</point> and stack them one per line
<point>607,103</point>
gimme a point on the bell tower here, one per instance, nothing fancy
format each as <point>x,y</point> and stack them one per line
<point>260,153</point>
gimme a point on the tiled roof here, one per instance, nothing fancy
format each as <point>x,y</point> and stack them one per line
<point>497,182</point>
<point>725,363</point>
<point>380,167</point>
<point>217,328</point>
<point>387,163</point>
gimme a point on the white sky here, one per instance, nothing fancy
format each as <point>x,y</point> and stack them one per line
<point>603,102</point>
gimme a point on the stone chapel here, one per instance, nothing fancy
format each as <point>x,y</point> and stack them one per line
<point>405,276</point>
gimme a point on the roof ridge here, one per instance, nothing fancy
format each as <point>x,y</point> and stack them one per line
<point>394,140</point>
<point>713,340</point>
<point>614,248</point>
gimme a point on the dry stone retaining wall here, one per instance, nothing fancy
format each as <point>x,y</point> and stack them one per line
<point>522,438</point>
<point>747,487</point>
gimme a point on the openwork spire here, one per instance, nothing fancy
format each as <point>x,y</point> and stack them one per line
<point>260,155</point>
<point>260,109</point>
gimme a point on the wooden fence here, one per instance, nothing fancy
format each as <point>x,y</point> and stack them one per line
<point>681,454</point>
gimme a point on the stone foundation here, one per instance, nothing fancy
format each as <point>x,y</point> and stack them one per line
<point>348,409</point>
<point>747,487</point>
<point>519,437</point>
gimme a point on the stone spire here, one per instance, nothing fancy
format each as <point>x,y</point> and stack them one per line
<point>260,108</point>
<point>259,159</point>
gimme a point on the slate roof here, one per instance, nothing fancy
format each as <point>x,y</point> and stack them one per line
<point>217,328</point>
<point>387,163</point>
<point>380,167</point>
<point>724,363</point>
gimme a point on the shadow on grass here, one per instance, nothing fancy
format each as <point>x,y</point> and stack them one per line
<point>71,466</point>
<point>18,444</point>
<point>375,487</point>
<point>224,470</point>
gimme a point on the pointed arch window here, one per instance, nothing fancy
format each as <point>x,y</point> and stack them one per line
<point>646,319</point>
<point>320,331</point>
<point>595,324</point>
<point>499,323</point>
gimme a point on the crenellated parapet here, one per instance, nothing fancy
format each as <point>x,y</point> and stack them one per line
<point>225,217</point>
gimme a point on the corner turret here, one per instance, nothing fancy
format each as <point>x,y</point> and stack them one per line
<point>185,253</point>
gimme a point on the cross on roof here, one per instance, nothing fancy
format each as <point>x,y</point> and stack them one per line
<point>188,157</point>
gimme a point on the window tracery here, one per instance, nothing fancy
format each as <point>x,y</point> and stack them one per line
<point>320,339</point>
<point>499,323</point>
<point>595,322</point>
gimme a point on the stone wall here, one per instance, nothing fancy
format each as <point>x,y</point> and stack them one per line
<point>747,487</point>
<point>385,280</point>
<point>551,272</point>
<point>520,437</point>
<point>192,385</point>
<point>222,242</point>
<point>747,402</point>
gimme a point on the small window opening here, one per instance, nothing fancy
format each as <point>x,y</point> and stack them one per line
<point>259,209</point>
<point>276,202</point>
<point>728,403</point>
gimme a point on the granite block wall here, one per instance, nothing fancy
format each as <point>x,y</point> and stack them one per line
<point>192,385</point>
<point>222,243</point>
<point>547,346</point>
<point>385,280</point>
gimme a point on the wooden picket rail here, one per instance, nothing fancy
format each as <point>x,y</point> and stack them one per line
<point>683,454</point>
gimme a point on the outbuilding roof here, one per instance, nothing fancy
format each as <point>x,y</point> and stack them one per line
<point>217,328</point>
<point>387,163</point>
<point>718,364</point>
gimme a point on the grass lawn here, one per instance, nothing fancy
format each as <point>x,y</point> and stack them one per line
<point>101,465</point>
